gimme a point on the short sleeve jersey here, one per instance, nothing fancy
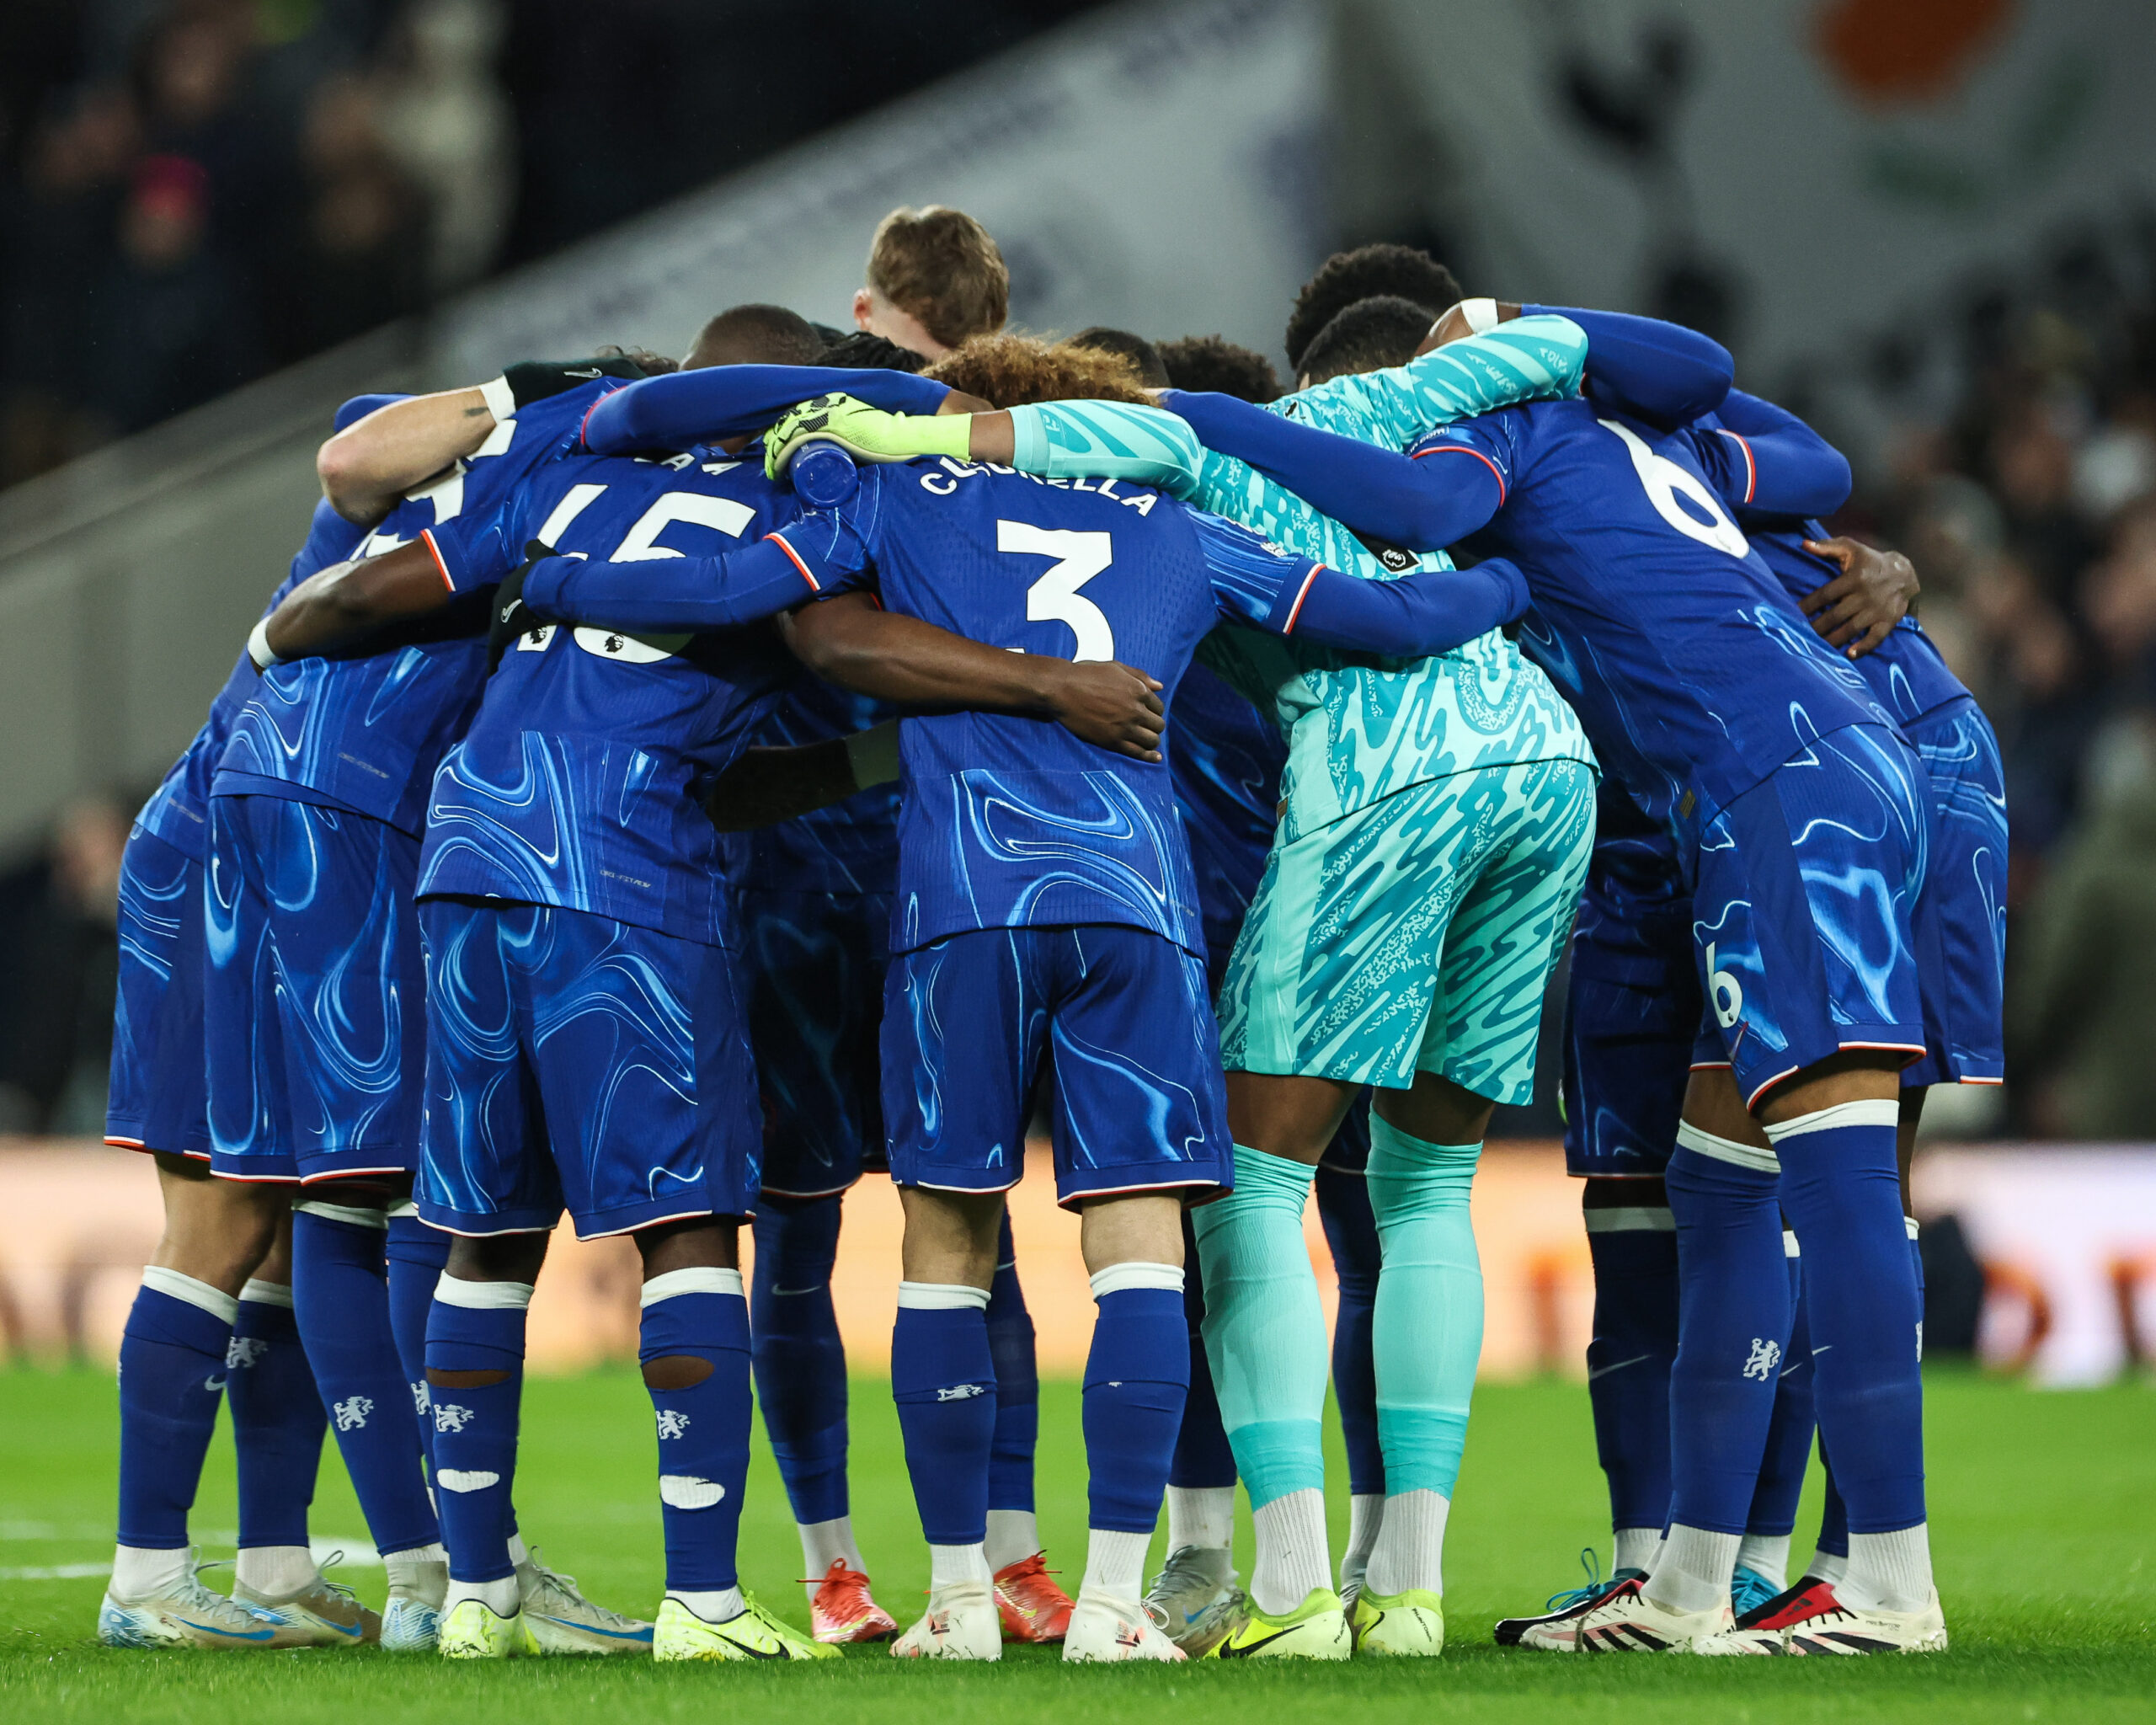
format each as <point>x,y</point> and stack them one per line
<point>577,781</point>
<point>1011,822</point>
<point>1687,661</point>
<point>366,734</point>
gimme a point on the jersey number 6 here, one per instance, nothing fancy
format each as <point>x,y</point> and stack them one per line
<point>1056,598</point>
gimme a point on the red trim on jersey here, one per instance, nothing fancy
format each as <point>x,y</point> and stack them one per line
<point>1295,609</point>
<point>1751,467</point>
<point>814,586</point>
<point>433,551</point>
<point>1495,472</point>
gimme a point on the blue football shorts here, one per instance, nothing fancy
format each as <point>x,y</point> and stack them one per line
<point>159,1097</point>
<point>1120,1014</point>
<point>1961,917</point>
<point>1631,1018</point>
<point>576,1062</point>
<point>312,996</point>
<point>812,969</point>
<point>1805,894</point>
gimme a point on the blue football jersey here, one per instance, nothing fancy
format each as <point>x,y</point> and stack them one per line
<point>366,734</point>
<point>1010,822</point>
<point>179,809</point>
<point>1692,669</point>
<point>1224,757</point>
<point>576,782</point>
<point>1906,672</point>
<point>847,846</point>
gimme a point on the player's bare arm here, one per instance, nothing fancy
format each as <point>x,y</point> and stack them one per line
<point>1856,609</point>
<point>853,643</point>
<point>340,605</point>
<point>365,468</point>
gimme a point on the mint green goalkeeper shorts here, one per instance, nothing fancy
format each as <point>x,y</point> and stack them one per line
<point>1416,935</point>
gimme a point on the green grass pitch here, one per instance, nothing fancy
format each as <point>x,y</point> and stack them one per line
<point>2044,1511</point>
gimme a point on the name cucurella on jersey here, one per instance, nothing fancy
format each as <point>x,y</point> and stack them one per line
<point>941,480</point>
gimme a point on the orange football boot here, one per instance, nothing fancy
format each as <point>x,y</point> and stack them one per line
<point>841,1611</point>
<point>1032,1607</point>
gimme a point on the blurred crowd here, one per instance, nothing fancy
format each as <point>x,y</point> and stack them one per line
<point>2022,481</point>
<point>194,192</point>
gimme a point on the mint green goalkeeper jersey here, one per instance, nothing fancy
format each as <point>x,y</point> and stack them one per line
<point>1358,729</point>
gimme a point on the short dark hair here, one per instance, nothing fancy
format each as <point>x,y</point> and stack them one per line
<point>1141,353</point>
<point>1215,363</point>
<point>859,350</point>
<point>1382,330</point>
<point>755,335</point>
<point>1403,272</point>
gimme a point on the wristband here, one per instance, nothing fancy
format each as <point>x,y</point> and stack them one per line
<point>1482,315</point>
<point>873,754</point>
<point>500,398</point>
<point>258,648</point>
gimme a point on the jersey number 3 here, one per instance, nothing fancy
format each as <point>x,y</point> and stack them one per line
<point>1054,598</point>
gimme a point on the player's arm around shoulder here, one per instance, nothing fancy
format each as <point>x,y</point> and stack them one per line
<point>1465,373</point>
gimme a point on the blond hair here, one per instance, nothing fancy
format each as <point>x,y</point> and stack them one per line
<point>939,266</point>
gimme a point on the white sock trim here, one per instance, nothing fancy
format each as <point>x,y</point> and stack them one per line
<point>1115,1563</point>
<point>1701,1142</point>
<point>351,1215</point>
<point>1790,1247</point>
<point>175,1285</point>
<point>1013,1536</point>
<point>1411,1544</point>
<point>397,1212</point>
<point>709,1280</point>
<point>1883,1111</point>
<point>941,1296</point>
<point>1630,1218</point>
<point>504,1598</point>
<point>483,1296</point>
<point>263,1293</point>
<point>1634,1548</point>
<point>1911,1226</point>
<point>717,1605</point>
<point>1694,1570</point>
<point>1121,1278</point>
<point>1292,1557</point>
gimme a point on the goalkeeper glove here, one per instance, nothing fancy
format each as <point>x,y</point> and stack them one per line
<point>865,433</point>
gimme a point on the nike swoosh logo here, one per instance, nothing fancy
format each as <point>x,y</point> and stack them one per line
<point>594,372</point>
<point>1817,1351</point>
<point>1604,1371</point>
<point>752,1652</point>
<point>1232,1651</point>
<point>788,1293</point>
<point>228,1634</point>
<point>593,1629</point>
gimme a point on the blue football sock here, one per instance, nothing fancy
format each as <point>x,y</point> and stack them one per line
<point>944,1380</point>
<point>1733,1327</point>
<point>1633,1246</point>
<point>172,1376</point>
<point>277,1418</point>
<point>417,1256</point>
<point>800,1361</point>
<point>1789,1433</point>
<point>1351,1230</point>
<point>1203,1460</point>
<point>1137,1373</point>
<point>1843,1194</point>
<point>1017,1384</point>
<point>475,1379</point>
<point>340,1289</point>
<point>694,1354</point>
<point>1835,1514</point>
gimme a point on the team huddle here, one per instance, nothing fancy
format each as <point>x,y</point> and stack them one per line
<point>666,794</point>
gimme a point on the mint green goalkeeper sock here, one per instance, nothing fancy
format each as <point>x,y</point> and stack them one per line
<point>1264,1328</point>
<point>1427,1330</point>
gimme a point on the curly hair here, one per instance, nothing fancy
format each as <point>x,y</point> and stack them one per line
<point>1382,330</point>
<point>1215,363</point>
<point>1012,371</point>
<point>1345,277</point>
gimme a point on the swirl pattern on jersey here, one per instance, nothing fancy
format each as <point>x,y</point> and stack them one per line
<point>988,849</point>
